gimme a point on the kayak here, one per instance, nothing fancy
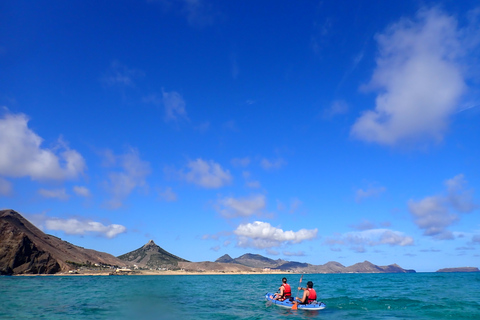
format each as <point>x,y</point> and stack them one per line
<point>289,304</point>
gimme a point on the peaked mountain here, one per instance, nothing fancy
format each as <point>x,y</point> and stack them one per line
<point>25,249</point>
<point>151,256</point>
<point>224,259</point>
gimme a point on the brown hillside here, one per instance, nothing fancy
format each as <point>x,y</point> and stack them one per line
<point>25,249</point>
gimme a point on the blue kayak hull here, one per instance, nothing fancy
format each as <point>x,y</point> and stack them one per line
<point>289,304</point>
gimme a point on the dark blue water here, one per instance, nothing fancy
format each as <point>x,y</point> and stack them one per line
<point>347,296</point>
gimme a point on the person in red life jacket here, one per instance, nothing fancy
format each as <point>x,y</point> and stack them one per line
<point>309,294</point>
<point>285,291</point>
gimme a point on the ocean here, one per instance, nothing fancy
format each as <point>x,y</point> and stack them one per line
<point>347,296</point>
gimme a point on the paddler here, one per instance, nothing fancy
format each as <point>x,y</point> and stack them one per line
<point>309,294</point>
<point>285,291</point>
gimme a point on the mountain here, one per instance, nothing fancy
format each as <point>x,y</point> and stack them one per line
<point>258,261</point>
<point>25,249</point>
<point>460,269</point>
<point>224,259</point>
<point>151,256</point>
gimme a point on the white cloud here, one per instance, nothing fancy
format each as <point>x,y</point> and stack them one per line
<point>5,187</point>
<point>131,174</point>
<point>434,214</point>
<point>81,191</point>
<point>60,194</point>
<point>168,195</point>
<point>230,207</point>
<point>82,227</point>
<point>357,240</point>
<point>419,79</point>
<point>262,235</point>
<point>272,164</point>
<point>174,106</point>
<point>21,154</point>
<point>207,174</point>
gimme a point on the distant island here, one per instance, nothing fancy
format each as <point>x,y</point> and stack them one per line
<point>460,269</point>
<point>25,249</point>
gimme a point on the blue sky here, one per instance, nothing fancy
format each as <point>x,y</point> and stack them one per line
<point>314,132</point>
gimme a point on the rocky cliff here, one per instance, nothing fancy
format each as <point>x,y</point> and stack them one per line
<point>25,249</point>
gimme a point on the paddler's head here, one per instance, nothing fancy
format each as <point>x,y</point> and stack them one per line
<point>284,280</point>
<point>309,284</point>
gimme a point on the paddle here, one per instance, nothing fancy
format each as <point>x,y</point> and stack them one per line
<point>295,303</point>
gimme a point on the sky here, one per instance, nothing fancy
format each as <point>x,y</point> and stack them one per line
<point>309,131</point>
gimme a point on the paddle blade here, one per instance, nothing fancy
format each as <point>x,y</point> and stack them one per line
<point>295,306</point>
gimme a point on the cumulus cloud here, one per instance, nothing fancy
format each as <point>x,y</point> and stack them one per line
<point>21,153</point>
<point>419,79</point>
<point>230,207</point>
<point>262,235</point>
<point>131,173</point>
<point>81,227</point>
<point>81,191</point>
<point>60,194</point>
<point>207,174</point>
<point>357,240</point>
<point>434,214</point>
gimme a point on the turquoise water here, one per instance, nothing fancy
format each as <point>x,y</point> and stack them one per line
<point>347,296</point>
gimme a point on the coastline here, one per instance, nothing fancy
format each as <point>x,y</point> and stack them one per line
<point>153,273</point>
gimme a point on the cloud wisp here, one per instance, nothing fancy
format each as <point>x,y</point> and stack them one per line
<point>60,194</point>
<point>230,207</point>
<point>358,240</point>
<point>262,235</point>
<point>132,173</point>
<point>207,174</point>
<point>419,78</point>
<point>434,214</point>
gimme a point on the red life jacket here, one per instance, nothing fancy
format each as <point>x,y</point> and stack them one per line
<point>287,291</point>
<point>312,295</point>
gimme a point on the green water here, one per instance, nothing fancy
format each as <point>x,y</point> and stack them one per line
<point>347,296</point>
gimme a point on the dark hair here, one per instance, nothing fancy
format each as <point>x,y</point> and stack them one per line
<point>284,280</point>
<point>309,284</point>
